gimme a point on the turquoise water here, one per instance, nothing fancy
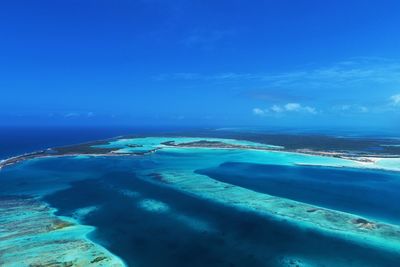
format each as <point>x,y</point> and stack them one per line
<point>144,216</point>
<point>148,143</point>
<point>371,193</point>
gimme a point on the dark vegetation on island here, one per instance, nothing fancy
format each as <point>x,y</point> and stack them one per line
<point>317,142</point>
<point>342,147</point>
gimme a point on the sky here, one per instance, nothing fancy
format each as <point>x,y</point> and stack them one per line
<point>305,63</point>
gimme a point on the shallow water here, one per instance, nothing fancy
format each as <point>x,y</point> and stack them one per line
<point>148,223</point>
<point>370,193</point>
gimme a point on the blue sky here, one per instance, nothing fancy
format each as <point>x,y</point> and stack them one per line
<point>208,63</point>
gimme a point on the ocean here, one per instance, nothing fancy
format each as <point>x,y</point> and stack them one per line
<point>193,207</point>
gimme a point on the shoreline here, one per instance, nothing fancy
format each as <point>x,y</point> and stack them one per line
<point>88,149</point>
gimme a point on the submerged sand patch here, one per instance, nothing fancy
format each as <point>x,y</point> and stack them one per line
<point>31,233</point>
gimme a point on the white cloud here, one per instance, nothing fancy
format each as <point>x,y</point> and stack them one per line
<point>353,108</point>
<point>293,107</point>
<point>71,115</point>
<point>358,80</point>
<point>344,107</point>
<point>341,75</point>
<point>395,100</point>
<point>296,107</point>
<point>277,109</point>
<point>310,110</point>
<point>89,114</point>
<point>286,108</point>
<point>368,85</point>
<point>258,111</point>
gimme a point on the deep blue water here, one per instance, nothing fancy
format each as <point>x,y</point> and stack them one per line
<point>145,238</point>
<point>18,140</point>
<point>371,193</point>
